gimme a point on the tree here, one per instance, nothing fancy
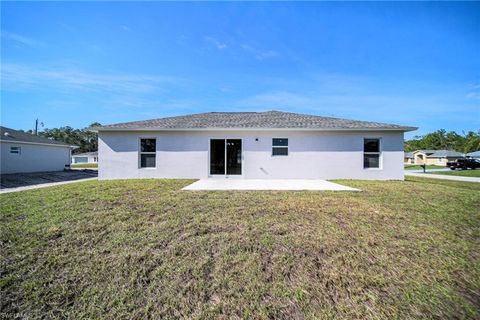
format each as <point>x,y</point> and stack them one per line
<point>86,140</point>
<point>443,140</point>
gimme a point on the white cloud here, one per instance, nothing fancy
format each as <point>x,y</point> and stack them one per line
<point>258,53</point>
<point>15,76</point>
<point>216,43</point>
<point>266,54</point>
<point>21,39</point>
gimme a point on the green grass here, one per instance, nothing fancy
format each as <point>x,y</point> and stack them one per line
<point>144,249</point>
<point>463,173</point>
<point>417,167</point>
<point>84,165</point>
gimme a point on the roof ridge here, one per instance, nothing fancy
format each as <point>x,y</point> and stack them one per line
<point>271,119</point>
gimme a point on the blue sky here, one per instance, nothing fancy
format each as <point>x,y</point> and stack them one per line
<point>77,63</point>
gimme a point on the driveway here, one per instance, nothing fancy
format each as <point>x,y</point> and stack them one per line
<point>441,176</point>
<point>247,184</point>
<point>429,170</point>
<point>25,181</point>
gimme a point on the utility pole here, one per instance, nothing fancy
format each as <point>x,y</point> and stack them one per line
<point>35,132</point>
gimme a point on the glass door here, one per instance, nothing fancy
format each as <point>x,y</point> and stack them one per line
<point>234,157</point>
<point>217,156</point>
<point>225,156</point>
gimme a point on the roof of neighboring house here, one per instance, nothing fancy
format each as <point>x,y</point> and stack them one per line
<point>408,155</point>
<point>445,154</point>
<point>425,151</point>
<point>473,154</point>
<point>11,135</point>
<point>252,120</point>
<point>86,154</point>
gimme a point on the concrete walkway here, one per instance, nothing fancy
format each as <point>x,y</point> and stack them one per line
<point>444,177</point>
<point>247,184</point>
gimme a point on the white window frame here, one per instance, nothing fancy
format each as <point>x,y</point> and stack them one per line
<point>140,153</point>
<point>18,150</point>
<point>281,147</point>
<point>380,153</point>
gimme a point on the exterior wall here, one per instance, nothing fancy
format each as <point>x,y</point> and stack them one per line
<point>33,158</point>
<point>440,161</point>
<point>419,157</point>
<point>312,155</point>
<point>408,160</point>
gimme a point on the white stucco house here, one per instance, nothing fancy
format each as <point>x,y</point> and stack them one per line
<point>251,145</point>
<point>87,157</point>
<point>23,152</point>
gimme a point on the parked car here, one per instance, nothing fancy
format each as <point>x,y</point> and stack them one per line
<point>464,163</point>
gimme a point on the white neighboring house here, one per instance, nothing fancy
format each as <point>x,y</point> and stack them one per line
<point>87,157</point>
<point>251,145</point>
<point>436,157</point>
<point>24,152</point>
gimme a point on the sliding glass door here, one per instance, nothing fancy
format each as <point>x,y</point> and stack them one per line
<point>225,156</point>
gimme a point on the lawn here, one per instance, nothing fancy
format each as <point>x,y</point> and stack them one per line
<point>84,165</point>
<point>463,173</point>
<point>418,167</point>
<point>144,249</point>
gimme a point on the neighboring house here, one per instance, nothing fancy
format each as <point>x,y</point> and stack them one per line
<point>436,157</point>
<point>475,154</point>
<point>408,158</point>
<point>251,145</point>
<point>24,152</point>
<point>87,157</point>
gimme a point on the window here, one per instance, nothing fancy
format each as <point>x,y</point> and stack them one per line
<point>81,159</point>
<point>15,150</point>
<point>371,153</point>
<point>279,147</point>
<point>148,153</point>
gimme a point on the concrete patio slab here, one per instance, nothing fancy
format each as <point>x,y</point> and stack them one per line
<point>291,184</point>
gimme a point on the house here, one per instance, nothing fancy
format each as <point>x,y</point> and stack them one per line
<point>251,145</point>
<point>24,152</point>
<point>87,157</point>
<point>436,157</point>
<point>475,154</point>
<point>408,158</point>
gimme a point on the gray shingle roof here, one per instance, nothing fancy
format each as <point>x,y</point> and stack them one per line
<point>252,120</point>
<point>445,153</point>
<point>426,151</point>
<point>408,155</point>
<point>12,135</point>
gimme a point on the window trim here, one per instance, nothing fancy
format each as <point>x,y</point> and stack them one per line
<point>380,153</point>
<point>19,150</point>
<point>140,153</point>
<point>281,147</point>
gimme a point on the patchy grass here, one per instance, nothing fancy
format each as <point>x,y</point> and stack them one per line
<point>144,249</point>
<point>463,173</point>
<point>417,167</point>
<point>83,165</point>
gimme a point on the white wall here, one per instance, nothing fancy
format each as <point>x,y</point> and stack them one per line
<point>312,155</point>
<point>33,158</point>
